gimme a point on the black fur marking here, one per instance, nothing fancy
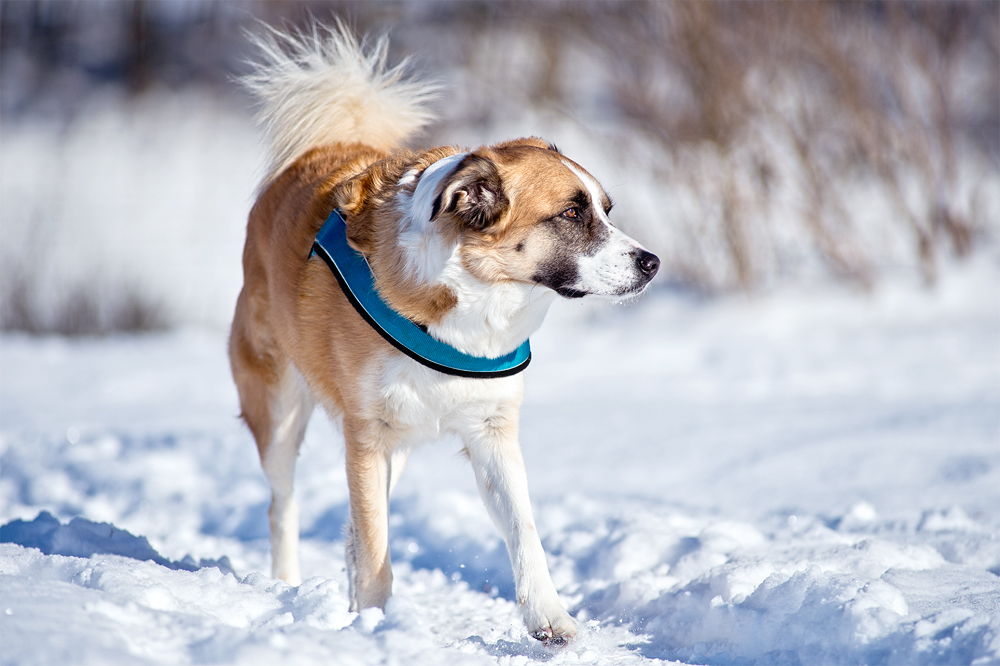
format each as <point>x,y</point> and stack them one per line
<point>572,238</point>
<point>581,200</point>
<point>436,208</point>
<point>557,274</point>
<point>554,148</point>
<point>567,292</point>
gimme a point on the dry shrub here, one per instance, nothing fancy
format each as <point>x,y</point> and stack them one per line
<point>775,116</point>
<point>86,308</point>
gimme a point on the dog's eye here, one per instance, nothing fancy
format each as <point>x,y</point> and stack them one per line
<point>571,213</point>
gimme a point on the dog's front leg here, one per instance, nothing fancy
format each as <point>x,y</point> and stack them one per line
<point>368,568</point>
<point>495,453</point>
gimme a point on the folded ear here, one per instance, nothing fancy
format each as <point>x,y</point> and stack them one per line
<point>474,193</point>
<point>356,197</point>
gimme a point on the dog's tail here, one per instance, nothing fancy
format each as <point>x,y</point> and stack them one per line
<point>324,87</point>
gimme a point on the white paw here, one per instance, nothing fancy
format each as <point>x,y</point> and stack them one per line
<point>549,623</point>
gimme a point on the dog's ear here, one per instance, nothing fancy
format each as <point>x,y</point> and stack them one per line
<point>474,193</point>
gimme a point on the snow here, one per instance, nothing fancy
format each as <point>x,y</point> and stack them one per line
<point>806,476</point>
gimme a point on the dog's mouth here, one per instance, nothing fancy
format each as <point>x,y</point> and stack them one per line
<point>569,292</point>
<point>621,294</point>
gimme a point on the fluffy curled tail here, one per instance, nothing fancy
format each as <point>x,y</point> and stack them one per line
<point>323,87</point>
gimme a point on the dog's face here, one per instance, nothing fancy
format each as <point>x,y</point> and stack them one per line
<point>525,213</point>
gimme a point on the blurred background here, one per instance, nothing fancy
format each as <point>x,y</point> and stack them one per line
<point>749,144</point>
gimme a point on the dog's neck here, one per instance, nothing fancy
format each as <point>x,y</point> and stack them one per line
<point>487,319</point>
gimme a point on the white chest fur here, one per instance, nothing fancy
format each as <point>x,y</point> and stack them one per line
<point>421,404</point>
<point>489,319</point>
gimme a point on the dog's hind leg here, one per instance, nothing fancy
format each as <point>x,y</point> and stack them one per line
<point>492,447</point>
<point>276,404</point>
<point>293,405</point>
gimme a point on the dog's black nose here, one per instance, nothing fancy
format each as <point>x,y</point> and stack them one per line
<point>648,263</point>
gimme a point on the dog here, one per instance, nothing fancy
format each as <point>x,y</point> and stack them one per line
<point>467,247</point>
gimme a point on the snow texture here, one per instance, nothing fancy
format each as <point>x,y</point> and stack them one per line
<point>806,477</point>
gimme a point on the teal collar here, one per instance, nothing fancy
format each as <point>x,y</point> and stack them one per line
<point>355,277</point>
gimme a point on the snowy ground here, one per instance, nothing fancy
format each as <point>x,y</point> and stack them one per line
<point>803,478</point>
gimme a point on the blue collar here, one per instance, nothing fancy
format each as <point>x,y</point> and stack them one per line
<point>355,277</point>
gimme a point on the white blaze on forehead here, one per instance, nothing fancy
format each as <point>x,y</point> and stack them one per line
<point>596,198</point>
<point>593,189</point>
<point>422,201</point>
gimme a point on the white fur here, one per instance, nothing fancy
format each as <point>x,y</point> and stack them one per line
<point>489,319</point>
<point>426,251</point>
<point>324,87</point>
<point>422,202</point>
<point>408,177</point>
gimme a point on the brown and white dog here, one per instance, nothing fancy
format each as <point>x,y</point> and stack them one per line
<point>472,245</point>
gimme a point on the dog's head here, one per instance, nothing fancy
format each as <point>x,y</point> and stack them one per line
<point>521,211</point>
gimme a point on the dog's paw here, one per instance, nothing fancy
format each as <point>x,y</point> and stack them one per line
<point>548,640</point>
<point>554,628</point>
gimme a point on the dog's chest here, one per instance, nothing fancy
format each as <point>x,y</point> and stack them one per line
<point>422,404</point>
